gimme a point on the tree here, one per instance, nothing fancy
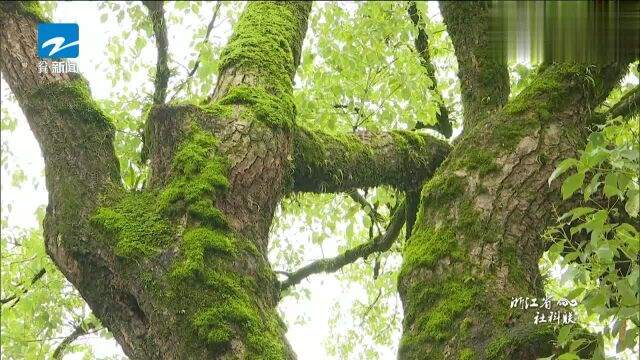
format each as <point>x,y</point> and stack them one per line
<point>179,268</point>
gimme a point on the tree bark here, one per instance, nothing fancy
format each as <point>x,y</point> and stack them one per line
<point>476,242</point>
<point>484,80</point>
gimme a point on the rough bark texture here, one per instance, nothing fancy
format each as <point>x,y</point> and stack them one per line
<point>477,239</point>
<point>76,142</point>
<point>484,80</point>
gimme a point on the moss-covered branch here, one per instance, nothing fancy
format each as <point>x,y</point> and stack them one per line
<point>76,140</point>
<point>334,163</point>
<point>421,43</point>
<point>156,13</point>
<point>380,243</point>
<point>484,80</point>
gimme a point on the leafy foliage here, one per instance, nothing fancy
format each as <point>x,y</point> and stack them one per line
<point>596,244</point>
<point>360,68</point>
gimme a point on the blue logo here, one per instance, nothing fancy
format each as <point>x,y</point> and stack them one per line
<point>58,41</point>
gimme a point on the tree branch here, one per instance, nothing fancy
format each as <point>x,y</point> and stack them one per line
<point>18,296</point>
<point>80,330</point>
<point>196,65</point>
<point>76,141</point>
<point>421,43</point>
<point>156,12</point>
<point>343,162</point>
<point>628,104</point>
<point>365,204</point>
<point>380,243</point>
<point>484,79</point>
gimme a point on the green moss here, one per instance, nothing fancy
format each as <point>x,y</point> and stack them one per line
<point>227,310</point>
<point>547,93</point>
<point>217,110</point>
<point>71,99</point>
<point>465,325</point>
<point>427,246</point>
<point>524,338</point>
<point>442,189</point>
<point>411,144</point>
<point>136,225</point>
<point>29,8</point>
<point>482,160</point>
<point>277,112</point>
<point>453,299</point>
<point>467,354</point>
<point>199,175</point>
<point>330,155</point>
<point>266,44</point>
<point>434,308</point>
<point>497,349</point>
<point>193,246</point>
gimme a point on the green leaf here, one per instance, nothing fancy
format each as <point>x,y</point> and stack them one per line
<point>580,212</point>
<point>633,202</point>
<point>569,356</point>
<point>563,335</point>
<point>611,185</point>
<point>571,184</point>
<point>564,166</point>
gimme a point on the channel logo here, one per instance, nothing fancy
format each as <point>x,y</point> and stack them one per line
<point>57,41</point>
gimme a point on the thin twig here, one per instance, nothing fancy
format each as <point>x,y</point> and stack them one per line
<point>196,65</point>
<point>80,330</point>
<point>16,297</point>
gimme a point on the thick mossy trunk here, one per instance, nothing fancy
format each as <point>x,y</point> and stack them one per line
<point>193,246</point>
<point>476,243</point>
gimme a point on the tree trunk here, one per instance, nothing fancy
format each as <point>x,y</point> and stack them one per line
<point>484,80</point>
<point>476,243</point>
